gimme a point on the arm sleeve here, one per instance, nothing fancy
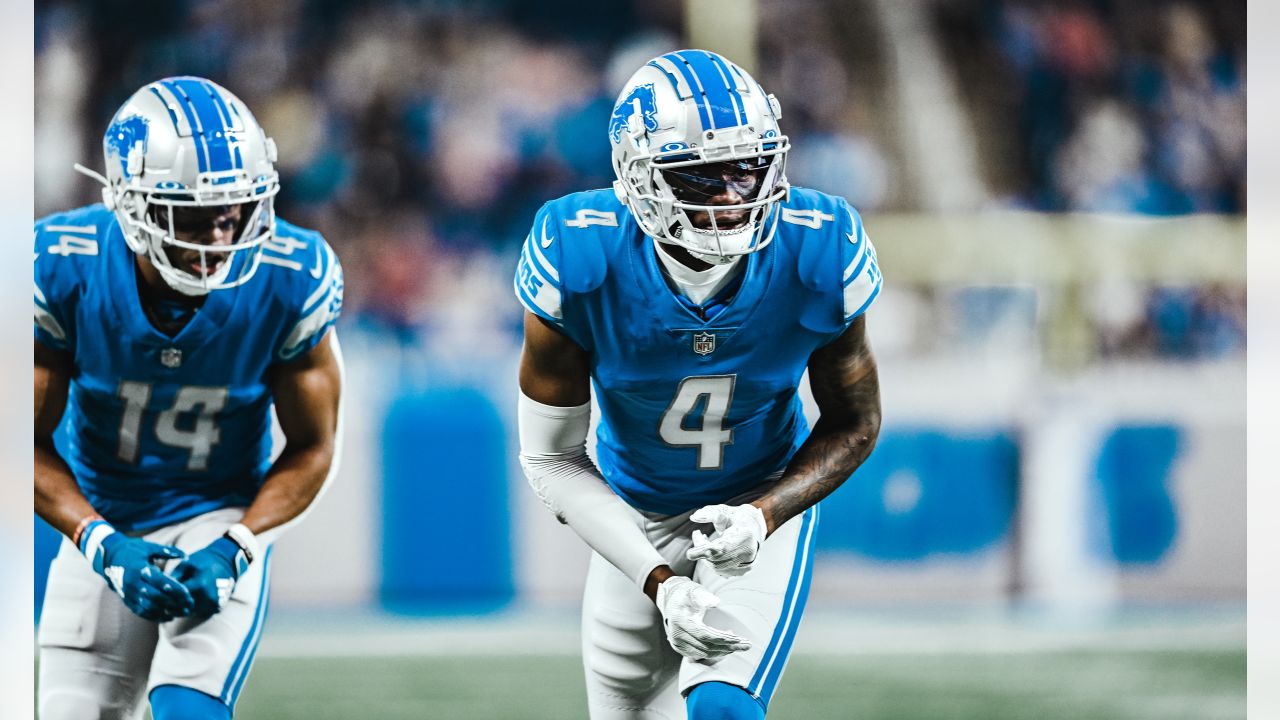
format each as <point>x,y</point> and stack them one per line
<point>553,453</point>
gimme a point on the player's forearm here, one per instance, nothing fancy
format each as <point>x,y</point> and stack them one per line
<point>554,457</point>
<point>572,489</point>
<point>58,499</point>
<point>826,459</point>
<point>846,387</point>
<point>292,485</point>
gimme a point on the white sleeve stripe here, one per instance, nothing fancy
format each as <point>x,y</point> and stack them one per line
<point>858,267</point>
<point>536,272</point>
<point>315,321</point>
<point>866,285</point>
<point>305,329</point>
<point>859,295</point>
<point>49,324</point>
<point>45,319</point>
<point>546,303</point>
<point>856,264</point>
<point>550,269</point>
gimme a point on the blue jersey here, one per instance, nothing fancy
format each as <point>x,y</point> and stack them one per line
<point>158,429</point>
<point>693,410</point>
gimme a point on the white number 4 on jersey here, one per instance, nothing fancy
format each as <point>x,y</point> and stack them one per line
<point>586,218</point>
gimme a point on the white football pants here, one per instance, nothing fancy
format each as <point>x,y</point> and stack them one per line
<point>99,660</point>
<point>632,672</point>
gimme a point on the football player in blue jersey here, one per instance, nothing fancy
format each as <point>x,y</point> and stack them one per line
<point>693,296</point>
<point>169,321</point>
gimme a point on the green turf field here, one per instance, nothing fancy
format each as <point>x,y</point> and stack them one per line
<point>1078,685</point>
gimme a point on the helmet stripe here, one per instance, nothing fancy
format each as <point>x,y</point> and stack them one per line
<point>206,119</point>
<point>223,114</point>
<point>182,101</point>
<point>695,88</point>
<point>713,88</point>
<point>229,124</point>
<point>168,106</point>
<point>735,90</point>
<point>217,135</point>
<point>684,89</point>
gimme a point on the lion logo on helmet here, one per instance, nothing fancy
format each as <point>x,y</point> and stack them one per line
<point>626,108</point>
<point>123,135</point>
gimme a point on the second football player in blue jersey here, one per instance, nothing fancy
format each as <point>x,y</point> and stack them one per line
<point>169,321</point>
<point>692,297</point>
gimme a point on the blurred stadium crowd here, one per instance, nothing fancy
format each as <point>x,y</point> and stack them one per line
<point>421,135</point>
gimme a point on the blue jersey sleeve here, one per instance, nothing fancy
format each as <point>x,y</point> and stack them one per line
<point>564,259</point>
<point>861,276</point>
<point>537,281</point>
<point>316,287</point>
<point>64,244</point>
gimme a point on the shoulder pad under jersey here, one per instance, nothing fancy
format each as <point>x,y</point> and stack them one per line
<point>66,248</point>
<point>567,250</point>
<point>304,273</point>
<point>835,255</point>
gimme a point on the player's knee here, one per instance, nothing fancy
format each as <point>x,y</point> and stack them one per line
<point>722,701</point>
<point>174,702</point>
<point>625,682</point>
<point>625,664</point>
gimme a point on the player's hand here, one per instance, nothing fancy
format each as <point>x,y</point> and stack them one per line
<point>739,531</point>
<point>210,575</point>
<point>683,604</point>
<point>129,567</point>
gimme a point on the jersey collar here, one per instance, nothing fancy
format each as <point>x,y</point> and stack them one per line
<point>754,281</point>
<point>126,302</point>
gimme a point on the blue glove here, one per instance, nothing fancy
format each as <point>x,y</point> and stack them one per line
<point>210,574</point>
<point>129,567</point>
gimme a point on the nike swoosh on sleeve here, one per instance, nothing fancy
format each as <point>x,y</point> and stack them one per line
<point>315,271</point>
<point>546,241</point>
<point>853,239</point>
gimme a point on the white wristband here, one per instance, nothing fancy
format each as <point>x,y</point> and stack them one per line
<point>248,542</point>
<point>94,535</point>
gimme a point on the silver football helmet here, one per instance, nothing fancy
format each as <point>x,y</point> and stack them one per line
<point>696,138</point>
<point>186,142</point>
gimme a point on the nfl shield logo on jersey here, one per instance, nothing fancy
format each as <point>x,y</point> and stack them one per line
<point>704,343</point>
<point>171,357</point>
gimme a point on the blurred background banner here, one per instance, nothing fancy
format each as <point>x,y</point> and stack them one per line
<point>1056,191</point>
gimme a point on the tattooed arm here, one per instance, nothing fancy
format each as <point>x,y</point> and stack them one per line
<point>843,377</point>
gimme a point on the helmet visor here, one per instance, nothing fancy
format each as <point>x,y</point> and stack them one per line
<point>719,183</point>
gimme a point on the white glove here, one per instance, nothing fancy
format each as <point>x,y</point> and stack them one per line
<point>740,529</point>
<point>683,603</point>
